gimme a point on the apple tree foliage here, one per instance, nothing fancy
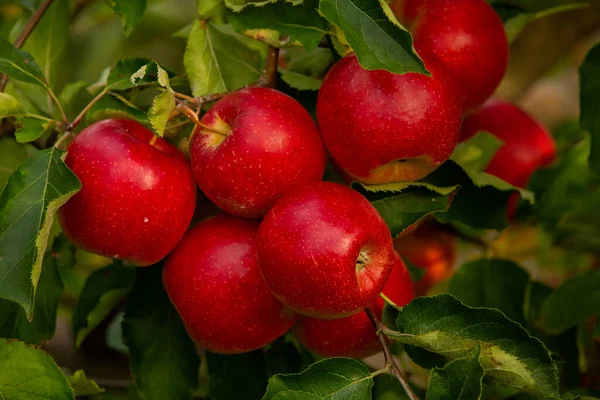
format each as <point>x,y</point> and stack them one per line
<point>494,331</point>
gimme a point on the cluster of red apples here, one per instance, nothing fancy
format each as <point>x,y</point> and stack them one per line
<point>290,249</point>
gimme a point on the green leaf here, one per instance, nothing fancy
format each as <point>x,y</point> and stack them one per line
<point>535,295</point>
<point>130,11</point>
<point>49,40</point>
<point>19,65</point>
<point>13,320</point>
<point>444,326</point>
<point>217,61</point>
<point>286,356</point>
<point>31,129</point>
<point>74,97</point>
<point>119,77</point>
<point>11,155</point>
<point>301,23</point>
<point>572,303</point>
<point>33,193</point>
<point>476,189</point>
<point>162,356</point>
<point>299,81</point>
<point>387,387</point>
<point>112,107</point>
<point>211,9</point>
<point>102,291</point>
<point>239,5</point>
<point>247,370</point>
<point>82,386</point>
<point>331,378</point>
<point>492,283</point>
<point>377,38</point>
<point>404,204</point>
<point>159,114</point>
<point>589,97</point>
<point>10,106</point>
<point>29,373</point>
<point>459,379</point>
<point>477,152</point>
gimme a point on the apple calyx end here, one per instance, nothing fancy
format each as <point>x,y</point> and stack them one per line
<point>362,261</point>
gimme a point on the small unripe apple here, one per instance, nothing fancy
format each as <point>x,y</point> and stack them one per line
<point>430,248</point>
<point>354,336</point>
<point>257,143</point>
<point>324,250</point>
<point>527,144</point>
<point>137,193</point>
<point>214,282</point>
<point>382,127</point>
<point>466,35</point>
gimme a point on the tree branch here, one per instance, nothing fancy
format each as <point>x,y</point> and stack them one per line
<point>389,359</point>
<point>31,24</point>
<point>268,77</point>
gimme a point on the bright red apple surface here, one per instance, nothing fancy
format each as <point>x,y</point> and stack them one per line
<point>214,282</point>
<point>355,336</point>
<point>137,193</point>
<point>382,127</point>
<point>466,35</point>
<point>257,144</point>
<point>527,144</point>
<point>430,248</point>
<point>324,250</point>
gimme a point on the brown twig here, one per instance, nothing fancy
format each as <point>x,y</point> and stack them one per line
<point>389,359</point>
<point>268,78</point>
<point>31,24</point>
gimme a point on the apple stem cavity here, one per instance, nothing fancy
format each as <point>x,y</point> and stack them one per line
<point>389,359</point>
<point>361,261</point>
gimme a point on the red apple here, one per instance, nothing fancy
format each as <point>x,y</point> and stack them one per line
<point>382,127</point>
<point>137,196</point>
<point>354,336</point>
<point>324,251</point>
<point>466,35</point>
<point>214,282</point>
<point>258,143</point>
<point>527,144</point>
<point>431,248</point>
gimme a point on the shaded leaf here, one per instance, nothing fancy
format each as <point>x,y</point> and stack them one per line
<point>11,155</point>
<point>162,356</point>
<point>299,81</point>
<point>239,5</point>
<point>404,204</point>
<point>82,386</point>
<point>459,379</point>
<point>119,77</point>
<point>572,303</point>
<point>247,370</point>
<point>331,378</point>
<point>377,38</point>
<point>301,23</point>
<point>589,98</point>
<point>29,372</point>
<point>514,25</point>
<point>444,326</point>
<point>102,291</point>
<point>492,283</point>
<point>10,106</point>
<point>130,11</point>
<point>31,129</point>
<point>19,64</point>
<point>217,61</point>
<point>27,204</point>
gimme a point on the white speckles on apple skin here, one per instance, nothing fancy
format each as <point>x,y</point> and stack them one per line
<point>308,245</point>
<point>370,119</point>
<point>273,146</point>
<point>136,200</point>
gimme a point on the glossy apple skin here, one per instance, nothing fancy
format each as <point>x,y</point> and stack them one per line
<point>309,244</point>
<point>354,336</point>
<point>214,282</point>
<point>382,127</point>
<point>431,248</point>
<point>272,145</point>
<point>466,35</point>
<point>137,199</point>
<point>527,144</point>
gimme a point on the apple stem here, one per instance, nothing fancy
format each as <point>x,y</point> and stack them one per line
<point>192,116</point>
<point>389,359</point>
<point>153,140</point>
<point>268,78</point>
